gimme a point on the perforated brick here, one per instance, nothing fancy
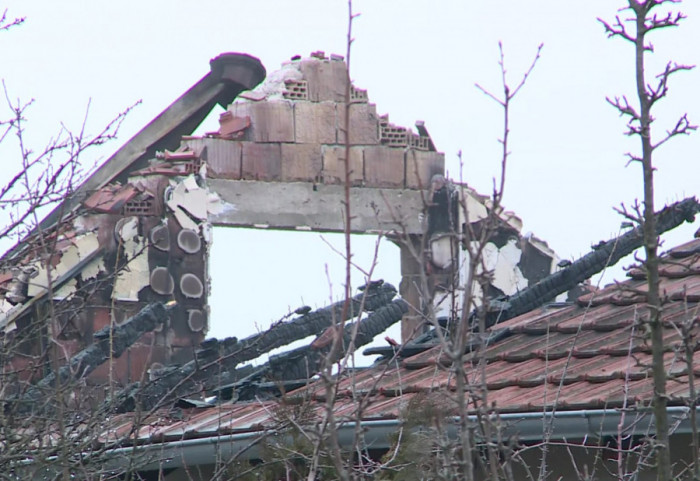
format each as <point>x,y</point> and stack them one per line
<point>296,90</point>
<point>139,207</point>
<point>393,135</point>
<point>417,142</point>
<point>193,166</point>
<point>358,95</point>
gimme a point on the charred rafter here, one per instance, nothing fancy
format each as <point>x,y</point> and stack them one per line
<point>109,342</point>
<point>605,254</point>
<point>219,357</point>
<point>302,363</point>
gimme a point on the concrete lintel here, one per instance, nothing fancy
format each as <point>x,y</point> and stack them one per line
<point>315,207</point>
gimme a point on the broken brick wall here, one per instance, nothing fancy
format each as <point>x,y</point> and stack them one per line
<point>291,128</point>
<point>147,238</point>
<point>128,245</point>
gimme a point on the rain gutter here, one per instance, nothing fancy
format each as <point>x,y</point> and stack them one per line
<point>382,434</point>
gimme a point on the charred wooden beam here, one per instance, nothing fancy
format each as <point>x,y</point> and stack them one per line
<point>304,362</point>
<point>605,254</point>
<point>222,356</point>
<point>109,342</point>
<point>288,366</point>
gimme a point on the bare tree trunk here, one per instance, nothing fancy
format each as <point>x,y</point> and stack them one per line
<point>639,123</point>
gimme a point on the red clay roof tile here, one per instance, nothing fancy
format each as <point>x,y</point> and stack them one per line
<point>580,357</point>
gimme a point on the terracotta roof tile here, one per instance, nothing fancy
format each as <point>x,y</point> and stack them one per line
<point>579,357</point>
<point>111,198</point>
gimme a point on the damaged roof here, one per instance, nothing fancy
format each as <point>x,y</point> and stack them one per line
<point>591,355</point>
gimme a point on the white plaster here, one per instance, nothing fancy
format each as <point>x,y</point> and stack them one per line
<point>135,275</point>
<point>183,219</point>
<point>490,256</point>
<point>476,209</point>
<point>190,183</point>
<point>188,196</point>
<point>442,251</point>
<point>128,228</point>
<point>195,203</point>
<point>131,279</point>
<point>93,268</point>
<point>5,306</point>
<point>503,263</point>
<point>81,247</point>
<point>273,86</point>
<point>207,232</point>
<point>214,203</point>
<point>66,290</point>
<point>507,275</point>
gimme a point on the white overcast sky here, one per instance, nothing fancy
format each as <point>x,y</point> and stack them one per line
<point>419,61</point>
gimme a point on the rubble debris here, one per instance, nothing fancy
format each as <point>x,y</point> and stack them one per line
<point>108,343</point>
<point>179,155</point>
<point>304,362</point>
<point>232,127</point>
<point>218,357</point>
<point>110,199</point>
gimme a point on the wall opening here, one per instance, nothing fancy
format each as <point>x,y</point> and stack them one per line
<point>258,276</point>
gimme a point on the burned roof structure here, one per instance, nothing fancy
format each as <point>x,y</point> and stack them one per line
<point>138,230</point>
<point>127,283</point>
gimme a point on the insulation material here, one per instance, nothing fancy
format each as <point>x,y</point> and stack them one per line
<point>442,251</point>
<point>66,290</point>
<point>188,202</point>
<point>135,275</point>
<point>80,249</point>
<point>503,263</point>
<point>132,278</point>
<point>274,85</point>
